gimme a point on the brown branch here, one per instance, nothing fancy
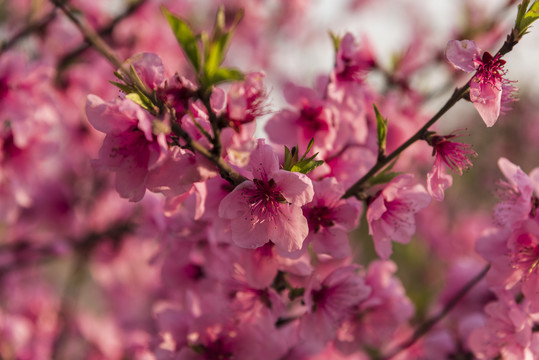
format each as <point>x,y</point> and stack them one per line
<point>38,25</point>
<point>429,324</point>
<point>512,39</point>
<point>24,253</point>
<point>226,171</point>
<point>103,31</point>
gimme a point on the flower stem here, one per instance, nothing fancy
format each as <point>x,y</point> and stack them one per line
<point>383,161</point>
<point>512,39</point>
<point>429,324</point>
<point>226,171</point>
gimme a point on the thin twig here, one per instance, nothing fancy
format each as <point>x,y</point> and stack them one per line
<point>512,39</point>
<point>103,31</point>
<point>38,25</point>
<point>90,35</point>
<point>226,171</point>
<point>429,324</point>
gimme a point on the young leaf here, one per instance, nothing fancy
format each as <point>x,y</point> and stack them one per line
<point>186,38</point>
<point>385,175</point>
<point>139,100</point>
<point>381,127</point>
<point>336,40</point>
<point>224,74</point>
<point>304,165</point>
<point>125,88</point>
<point>216,47</point>
<point>531,15</point>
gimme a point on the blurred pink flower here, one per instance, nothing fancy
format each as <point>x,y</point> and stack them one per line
<point>246,100</point>
<point>516,194</point>
<point>507,331</point>
<point>129,149</point>
<point>330,302</point>
<point>454,155</point>
<point>311,118</point>
<point>391,214</point>
<point>330,218</point>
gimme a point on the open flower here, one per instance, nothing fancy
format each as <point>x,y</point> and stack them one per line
<point>490,91</point>
<point>391,214</point>
<point>454,155</point>
<point>268,208</point>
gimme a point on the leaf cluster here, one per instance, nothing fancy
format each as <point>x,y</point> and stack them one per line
<point>526,15</point>
<point>304,165</point>
<point>205,52</point>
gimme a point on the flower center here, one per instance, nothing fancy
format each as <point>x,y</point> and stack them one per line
<point>319,216</point>
<point>490,69</point>
<point>4,88</point>
<point>312,118</point>
<point>265,200</point>
<point>526,255</point>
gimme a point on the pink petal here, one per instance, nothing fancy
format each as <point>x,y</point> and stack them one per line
<point>437,181</point>
<point>332,241</point>
<point>382,243</point>
<point>487,100</point>
<point>297,188</point>
<point>263,160</point>
<point>376,209</point>
<point>517,177</point>
<point>132,184</point>
<point>461,54</point>
<point>235,204</point>
<point>282,129</point>
<point>534,177</point>
<point>148,67</point>
<point>106,117</point>
<point>290,229</point>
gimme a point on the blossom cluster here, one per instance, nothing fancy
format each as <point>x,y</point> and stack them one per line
<point>144,216</point>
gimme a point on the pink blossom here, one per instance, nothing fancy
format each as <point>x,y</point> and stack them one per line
<point>383,312</point>
<point>507,332</point>
<point>330,218</point>
<point>246,100</point>
<point>488,86</point>
<point>516,194</point>
<point>391,214</point>
<point>149,69</point>
<point>268,208</point>
<point>455,156</point>
<point>312,117</point>
<point>352,61</point>
<point>330,302</point>
<point>129,149</point>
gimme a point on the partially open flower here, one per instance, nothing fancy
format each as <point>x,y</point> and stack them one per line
<point>454,155</point>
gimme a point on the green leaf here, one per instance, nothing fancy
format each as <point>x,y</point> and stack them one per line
<point>336,40</point>
<point>216,47</point>
<point>306,166</point>
<point>138,84</point>
<point>141,100</point>
<point>531,15</point>
<point>216,54</point>
<point>381,127</point>
<point>222,75</point>
<point>125,88</point>
<point>287,158</point>
<point>186,38</point>
<point>303,165</point>
<point>520,14</point>
<point>383,177</point>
